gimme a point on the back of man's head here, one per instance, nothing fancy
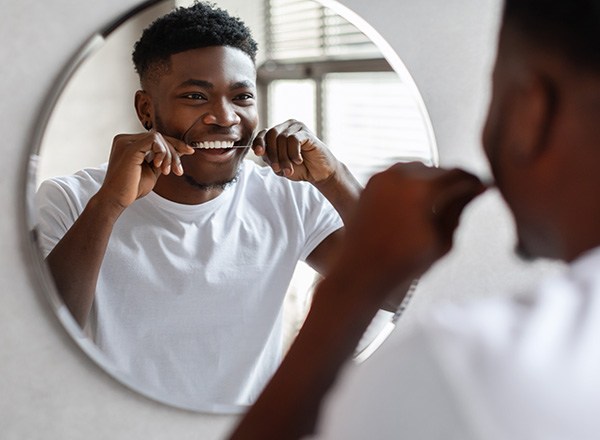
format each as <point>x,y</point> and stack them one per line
<point>198,26</point>
<point>569,28</point>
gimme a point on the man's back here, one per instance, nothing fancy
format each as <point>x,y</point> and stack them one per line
<point>504,368</point>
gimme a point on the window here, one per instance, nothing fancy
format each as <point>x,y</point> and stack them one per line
<point>322,70</point>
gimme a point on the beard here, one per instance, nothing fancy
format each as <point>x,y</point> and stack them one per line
<point>204,186</point>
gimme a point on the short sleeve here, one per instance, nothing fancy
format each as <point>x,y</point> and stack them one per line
<point>320,219</point>
<point>55,213</point>
<point>59,201</point>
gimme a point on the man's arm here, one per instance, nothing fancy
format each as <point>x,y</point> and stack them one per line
<point>294,152</point>
<point>76,259</point>
<point>404,222</point>
<point>343,191</point>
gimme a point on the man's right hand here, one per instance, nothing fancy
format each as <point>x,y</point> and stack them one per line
<point>136,161</point>
<point>405,221</point>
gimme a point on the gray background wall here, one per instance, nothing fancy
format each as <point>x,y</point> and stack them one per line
<point>49,388</point>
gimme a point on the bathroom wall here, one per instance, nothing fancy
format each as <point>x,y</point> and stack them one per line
<point>49,388</point>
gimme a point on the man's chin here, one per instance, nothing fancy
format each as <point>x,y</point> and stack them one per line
<point>209,186</point>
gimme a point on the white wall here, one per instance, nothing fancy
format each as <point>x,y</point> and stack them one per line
<point>97,103</point>
<point>49,388</point>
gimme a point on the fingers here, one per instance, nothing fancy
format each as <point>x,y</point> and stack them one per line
<point>162,152</point>
<point>427,201</point>
<point>281,146</point>
<point>459,189</point>
<point>258,144</point>
<point>455,189</point>
<point>177,148</point>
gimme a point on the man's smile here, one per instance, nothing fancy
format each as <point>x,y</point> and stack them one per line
<point>212,144</point>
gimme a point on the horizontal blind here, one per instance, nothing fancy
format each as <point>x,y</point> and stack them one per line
<point>372,121</point>
<point>305,29</point>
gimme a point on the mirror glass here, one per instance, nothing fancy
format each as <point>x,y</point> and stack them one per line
<point>318,64</point>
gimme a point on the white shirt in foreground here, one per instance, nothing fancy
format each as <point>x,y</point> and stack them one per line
<point>520,369</point>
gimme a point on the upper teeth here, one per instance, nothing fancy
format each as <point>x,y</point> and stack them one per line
<point>213,144</point>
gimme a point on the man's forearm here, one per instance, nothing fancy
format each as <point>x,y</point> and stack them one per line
<point>76,259</point>
<point>342,190</point>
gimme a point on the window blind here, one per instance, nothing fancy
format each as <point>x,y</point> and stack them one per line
<point>305,29</point>
<point>372,121</point>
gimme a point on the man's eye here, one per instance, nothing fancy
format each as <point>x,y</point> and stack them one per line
<point>194,96</point>
<point>244,97</point>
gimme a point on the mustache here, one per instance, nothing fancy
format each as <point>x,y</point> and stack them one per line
<point>188,136</point>
<point>207,130</point>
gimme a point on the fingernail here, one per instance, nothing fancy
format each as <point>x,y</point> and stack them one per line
<point>276,167</point>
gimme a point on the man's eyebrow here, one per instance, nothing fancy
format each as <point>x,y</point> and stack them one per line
<point>246,84</point>
<point>243,85</point>
<point>197,82</point>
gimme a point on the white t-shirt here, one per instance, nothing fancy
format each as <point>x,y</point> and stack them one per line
<point>524,368</point>
<point>189,297</point>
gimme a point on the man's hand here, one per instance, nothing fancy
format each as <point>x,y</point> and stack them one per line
<point>136,161</point>
<point>293,151</point>
<point>405,221</point>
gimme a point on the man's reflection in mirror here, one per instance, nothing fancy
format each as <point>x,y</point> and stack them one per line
<point>176,254</point>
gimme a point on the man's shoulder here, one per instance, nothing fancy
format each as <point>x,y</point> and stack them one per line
<point>84,181</point>
<point>478,321</point>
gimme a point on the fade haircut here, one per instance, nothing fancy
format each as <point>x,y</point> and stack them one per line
<point>200,25</point>
<point>570,28</point>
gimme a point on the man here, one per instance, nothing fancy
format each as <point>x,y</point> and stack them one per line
<point>523,368</point>
<point>176,255</point>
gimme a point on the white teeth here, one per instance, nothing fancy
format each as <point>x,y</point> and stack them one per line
<point>213,144</point>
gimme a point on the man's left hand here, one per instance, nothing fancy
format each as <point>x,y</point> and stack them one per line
<point>293,151</point>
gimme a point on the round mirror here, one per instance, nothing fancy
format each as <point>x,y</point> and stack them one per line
<point>213,351</point>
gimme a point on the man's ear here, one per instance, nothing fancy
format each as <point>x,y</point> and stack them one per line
<point>144,109</point>
<point>535,110</point>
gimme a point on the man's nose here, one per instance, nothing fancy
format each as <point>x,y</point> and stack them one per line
<point>221,113</point>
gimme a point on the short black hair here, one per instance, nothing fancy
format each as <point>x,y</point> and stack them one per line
<point>197,26</point>
<point>571,27</point>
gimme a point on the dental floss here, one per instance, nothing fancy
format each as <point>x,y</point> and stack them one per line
<point>226,148</point>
